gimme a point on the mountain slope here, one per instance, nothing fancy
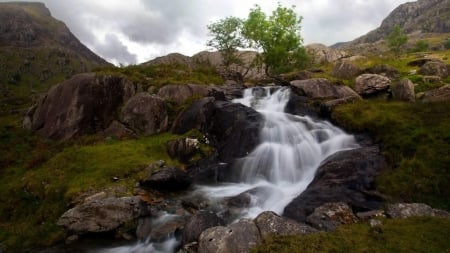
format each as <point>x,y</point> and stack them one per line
<point>36,51</point>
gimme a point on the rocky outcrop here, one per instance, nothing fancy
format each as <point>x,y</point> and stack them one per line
<point>183,149</point>
<point>384,70</point>
<point>321,88</point>
<point>167,179</point>
<point>436,95</point>
<point>179,93</point>
<point>371,84</point>
<point>345,70</point>
<point>198,223</point>
<point>348,177</point>
<point>145,114</point>
<point>322,54</point>
<point>84,104</point>
<point>195,116</point>
<point>434,68</point>
<point>100,215</point>
<point>237,237</point>
<point>404,91</point>
<point>269,223</point>
<point>331,215</point>
<point>407,210</point>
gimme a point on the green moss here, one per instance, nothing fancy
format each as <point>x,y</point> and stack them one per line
<point>415,139</point>
<point>410,235</point>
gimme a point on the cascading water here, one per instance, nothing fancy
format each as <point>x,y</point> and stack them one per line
<point>281,167</point>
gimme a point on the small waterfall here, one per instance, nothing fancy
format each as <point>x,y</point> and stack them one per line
<point>281,167</point>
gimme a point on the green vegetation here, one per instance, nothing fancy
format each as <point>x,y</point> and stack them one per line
<point>447,43</point>
<point>396,236</point>
<point>421,46</point>
<point>415,139</point>
<point>396,39</point>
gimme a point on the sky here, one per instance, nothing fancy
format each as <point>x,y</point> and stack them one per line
<point>135,31</point>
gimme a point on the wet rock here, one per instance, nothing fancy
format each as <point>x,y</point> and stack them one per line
<point>100,215</point>
<point>183,149</point>
<point>195,116</point>
<point>371,84</point>
<point>330,215</point>
<point>167,179</point>
<point>145,114</point>
<point>167,228</point>
<point>403,90</point>
<point>345,70</point>
<point>320,88</point>
<point>238,237</point>
<point>436,95</point>
<point>300,105</point>
<point>347,176</point>
<point>384,70</point>
<point>434,68</point>
<point>198,223</point>
<point>407,210</point>
<point>269,223</point>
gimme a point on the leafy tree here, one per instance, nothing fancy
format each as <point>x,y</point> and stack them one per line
<point>396,39</point>
<point>421,46</point>
<point>227,38</point>
<point>277,37</point>
<point>447,43</point>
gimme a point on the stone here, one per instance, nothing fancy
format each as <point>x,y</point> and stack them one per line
<point>167,179</point>
<point>434,68</point>
<point>85,104</point>
<point>331,215</point>
<point>300,105</point>
<point>198,223</point>
<point>100,215</point>
<point>345,70</point>
<point>183,149</point>
<point>145,114</point>
<point>321,88</point>
<point>346,176</point>
<point>436,95</point>
<point>371,84</point>
<point>194,116</point>
<point>180,93</point>
<point>407,210</point>
<point>269,223</point>
<point>238,237</point>
<point>370,214</point>
<point>404,91</point>
<point>384,70</point>
<point>327,107</point>
<point>118,130</point>
<point>322,54</point>
<point>166,228</point>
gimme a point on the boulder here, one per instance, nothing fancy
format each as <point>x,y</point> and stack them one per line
<point>183,149</point>
<point>436,95</point>
<point>323,54</point>
<point>331,215</point>
<point>167,179</point>
<point>346,176</point>
<point>145,114</point>
<point>238,237</point>
<point>167,228</point>
<point>195,116</point>
<point>269,223</point>
<point>321,88</point>
<point>100,215</point>
<point>404,91</point>
<point>327,107</point>
<point>179,93</point>
<point>85,104</point>
<point>300,105</point>
<point>118,130</point>
<point>434,68</point>
<point>384,70</point>
<point>371,84</point>
<point>345,70</point>
<point>198,223</point>
<point>407,210</point>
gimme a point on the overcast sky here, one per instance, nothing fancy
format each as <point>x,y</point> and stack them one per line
<point>135,31</point>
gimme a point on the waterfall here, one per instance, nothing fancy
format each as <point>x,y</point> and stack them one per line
<point>284,163</point>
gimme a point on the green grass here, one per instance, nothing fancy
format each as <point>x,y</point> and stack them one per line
<point>396,236</point>
<point>415,139</point>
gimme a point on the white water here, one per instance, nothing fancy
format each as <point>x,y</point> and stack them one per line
<point>281,167</point>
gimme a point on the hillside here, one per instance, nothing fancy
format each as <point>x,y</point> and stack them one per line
<point>36,51</point>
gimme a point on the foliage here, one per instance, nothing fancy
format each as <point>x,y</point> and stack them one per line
<point>447,43</point>
<point>396,39</point>
<point>278,37</point>
<point>424,234</point>
<point>227,38</point>
<point>421,46</point>
<point>415,139</point>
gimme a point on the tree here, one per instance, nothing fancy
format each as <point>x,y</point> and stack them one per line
<point>421,46</point>
<point>396,39</point>
<point>447,44</point>
<point>277,37</point>
<point>227,38</point>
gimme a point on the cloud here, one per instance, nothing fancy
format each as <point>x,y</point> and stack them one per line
<point>114,50</point>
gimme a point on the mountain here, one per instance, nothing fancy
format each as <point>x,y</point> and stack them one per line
<point>422,16</point>
<point>36,51</point>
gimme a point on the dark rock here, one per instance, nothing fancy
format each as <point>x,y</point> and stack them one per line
<point>371,84</point>
<point>436,95</point>
<point>347,176</point>
<point>195,116</point>
<point>144,228</point>
<point>330,215</point>
<point>189,248</point>
<point>269,223</point>
<point>238,237</point>
<point>419,62</point>
<point>167,179</point>
<point>100,215</point>
<point>198,223</point>
<point>208,171</point>
<point>84,104</point>
<point>384,70</point>
<point>145,114</point>
<point>434,68</point>
<point>327,107</point>
<point>118,130</point>
<point>166,228</point>
<point>244,199</point>
<point>403,90</point>
<point>345,70</point>
<point>320,88</point>
<point>300,105</point>
<point>183,149</point>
